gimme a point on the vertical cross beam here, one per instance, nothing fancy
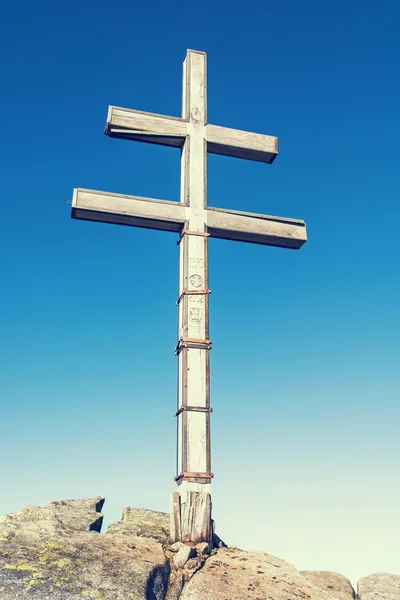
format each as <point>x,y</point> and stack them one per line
<point>193,448</point>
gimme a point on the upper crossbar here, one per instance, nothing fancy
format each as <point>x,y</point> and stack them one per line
<point>153,128</point>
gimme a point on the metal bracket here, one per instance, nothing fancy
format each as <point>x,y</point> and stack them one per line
<point>201,409</point>
<point>192,293</point>
<point>192,343</point>
<point>186,475</point>
<point>187,232</point>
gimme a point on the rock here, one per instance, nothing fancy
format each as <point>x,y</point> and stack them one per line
<point>203,549</point>
<point>232,574</point>
<point>183,555</point>
<point>175,586</point>
<point>217,542</point>
<point>48,553</point>
<point>380,586</point>
<point>57,552</point>
<point>70,515</point>
<point>191,567</point>
<point>175,546</point>
<point>331,582</point>
<point>143,523</point>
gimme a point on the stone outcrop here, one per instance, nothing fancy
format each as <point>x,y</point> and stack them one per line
<point>380,586</point>
<point>238,575</point>
<point>56,552</point>
<point>142,523</point>
<point>185,561</point>
<point>332,583</point>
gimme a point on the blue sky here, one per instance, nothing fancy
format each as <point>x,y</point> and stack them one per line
<point>306,405</point>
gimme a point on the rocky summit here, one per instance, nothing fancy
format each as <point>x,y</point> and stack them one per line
<point>56,552</point>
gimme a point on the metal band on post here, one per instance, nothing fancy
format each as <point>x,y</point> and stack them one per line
<point>187,232</point>
<point>186,292</point>
<point>192,343</point>
<point>187,475</point>
<point>202,409</point>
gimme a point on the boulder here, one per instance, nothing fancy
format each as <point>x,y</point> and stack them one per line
<point>331,582</point>
<point>233,574</point>
<point>143,523</point>
<point>54,552</point>
<point>182,556</point>
<point>380,586</point>
<point>68,515</point>
<point>203,549</point>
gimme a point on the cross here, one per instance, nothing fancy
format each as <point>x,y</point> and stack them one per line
<point>195,222</point>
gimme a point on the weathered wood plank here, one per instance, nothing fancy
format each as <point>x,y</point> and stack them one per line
<point>193,365</point>
<point>175,518</point>
<point>93,205</point>
<point>241,144</point>
<point>255,228</point>
<point>145,127</point>
<point>196,524</point>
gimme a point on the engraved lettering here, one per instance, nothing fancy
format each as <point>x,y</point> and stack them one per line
<point>197,299</point>
<point>195,315</point>
<point>196,264</point>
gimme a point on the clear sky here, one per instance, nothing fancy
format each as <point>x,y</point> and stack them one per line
<point>305,359</point>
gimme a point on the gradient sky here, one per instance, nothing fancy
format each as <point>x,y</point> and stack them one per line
<point>305,359</point>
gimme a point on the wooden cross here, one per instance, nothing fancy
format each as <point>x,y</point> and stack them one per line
<point>195,222</point>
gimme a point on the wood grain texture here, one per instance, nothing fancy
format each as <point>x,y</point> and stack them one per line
<point>139,126</point>
<point>175,518</point>
<point>196,524</point>
<point>256,228</point>
<point>241,144</point>
<point>193,363</point>
<point>121,209</point>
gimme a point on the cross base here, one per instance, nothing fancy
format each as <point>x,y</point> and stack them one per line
<point>190,517</point>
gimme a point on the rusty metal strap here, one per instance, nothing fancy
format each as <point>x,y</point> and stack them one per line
<point>201,409</point>
<point>187,232</point>
<point>192,343</point>
<point>187,475</point>
<point>192,293</point>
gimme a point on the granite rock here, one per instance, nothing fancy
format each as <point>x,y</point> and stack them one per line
<point>331,582</point>
<point>203,549</point>
<point>50,553</point>
<point>380,586</point>
<point>233,574</point>
<point>182,556</point>
<point>143,523</point>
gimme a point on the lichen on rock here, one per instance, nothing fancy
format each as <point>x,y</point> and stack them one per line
<point>50,552</point>
<point>143,523</point>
